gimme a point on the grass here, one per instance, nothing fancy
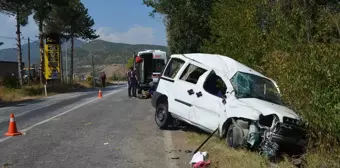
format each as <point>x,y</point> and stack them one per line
<point>9,95</point>
<point>221,155</point>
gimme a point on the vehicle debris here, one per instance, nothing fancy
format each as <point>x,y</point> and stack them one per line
<point>198,160</point>
<point>188,151</point>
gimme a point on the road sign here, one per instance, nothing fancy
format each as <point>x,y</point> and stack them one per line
<point>52,57</point>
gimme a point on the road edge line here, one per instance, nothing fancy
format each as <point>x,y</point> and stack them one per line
<point>168,145</point>
<point>65,112</point>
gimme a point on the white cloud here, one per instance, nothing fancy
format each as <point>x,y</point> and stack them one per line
<point>135,35</point>
<point>8,31</point>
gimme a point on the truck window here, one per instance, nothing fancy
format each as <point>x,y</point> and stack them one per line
<point>173,67</point>
<point>192,73</point>
<point>158,65</point>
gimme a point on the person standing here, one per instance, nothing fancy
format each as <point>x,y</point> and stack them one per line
<point>132,82</point>
<point>103,79</point>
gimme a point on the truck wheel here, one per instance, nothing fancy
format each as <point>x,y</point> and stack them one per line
<point>234,136</point>
<point>162,116</point>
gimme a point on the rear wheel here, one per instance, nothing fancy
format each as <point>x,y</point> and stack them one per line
<point>162,116</point>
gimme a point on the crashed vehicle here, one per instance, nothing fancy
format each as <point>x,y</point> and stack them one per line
<point>215,92</point>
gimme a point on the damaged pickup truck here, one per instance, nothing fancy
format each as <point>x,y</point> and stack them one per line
<point>215,92</point>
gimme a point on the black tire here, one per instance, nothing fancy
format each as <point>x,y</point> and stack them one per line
<point>234,136</point>
<point>162,116</point>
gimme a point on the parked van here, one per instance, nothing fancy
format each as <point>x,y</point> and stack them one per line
<point>149,64</point>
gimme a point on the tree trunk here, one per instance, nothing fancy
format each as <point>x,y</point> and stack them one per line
<point>19,48</point>
<point>72,53</point>
<point>41,53</point>
<point>61,64</point>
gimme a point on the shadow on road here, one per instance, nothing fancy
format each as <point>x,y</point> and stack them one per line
<point>20,103</point>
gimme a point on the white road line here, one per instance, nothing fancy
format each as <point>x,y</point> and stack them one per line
<point>45,105</point>
<point>170,163</point>
<point>65,112</point>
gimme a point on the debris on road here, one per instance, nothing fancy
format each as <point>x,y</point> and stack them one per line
<point>89,123</point>
<point>5,165</point>
<point>106,143</point>
<point>202,164</point>
<point>198,160</point>
<point>188,151</point>
<point>175,158</point>
<point>199,156</point>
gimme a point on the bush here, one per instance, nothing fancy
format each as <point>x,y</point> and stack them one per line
<point>308,77</point>
<point>116,77</point>
<point>10,82</point>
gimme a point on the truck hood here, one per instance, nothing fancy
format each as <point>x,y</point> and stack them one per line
<point>267,108</point>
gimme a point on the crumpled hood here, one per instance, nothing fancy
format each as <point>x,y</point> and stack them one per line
<point>267,108</point>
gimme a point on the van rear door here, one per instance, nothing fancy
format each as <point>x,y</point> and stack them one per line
<point>158,63</point>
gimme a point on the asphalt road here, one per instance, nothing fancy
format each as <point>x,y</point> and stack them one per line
<point>80,130</point>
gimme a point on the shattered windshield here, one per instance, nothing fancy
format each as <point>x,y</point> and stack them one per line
<point>252,86</point>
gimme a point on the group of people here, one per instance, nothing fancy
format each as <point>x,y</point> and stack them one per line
<point>132,82</point>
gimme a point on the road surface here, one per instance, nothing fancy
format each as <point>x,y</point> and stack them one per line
<point>80,130</point>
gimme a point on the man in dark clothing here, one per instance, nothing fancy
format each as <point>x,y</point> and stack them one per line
<point>103,79</point>
<point>132,82</point>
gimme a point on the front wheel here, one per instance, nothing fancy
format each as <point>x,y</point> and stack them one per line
<point>234,136</point>
<point>162,116</point>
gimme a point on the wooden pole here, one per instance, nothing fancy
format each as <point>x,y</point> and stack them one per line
<point>29,61</point>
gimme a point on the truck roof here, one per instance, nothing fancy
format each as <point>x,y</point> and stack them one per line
<point>221,63</point>
<point>151,51</point>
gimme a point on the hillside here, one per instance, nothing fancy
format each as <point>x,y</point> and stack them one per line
<point>10,54</point>
<point>105,53</point>
<point>109,53</point>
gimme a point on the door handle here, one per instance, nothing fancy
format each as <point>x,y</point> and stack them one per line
<point>199,94</point>
<point>191,92</point>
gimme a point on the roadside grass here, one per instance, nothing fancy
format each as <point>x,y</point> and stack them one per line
<point>221,156</point>
<point>10,95</point>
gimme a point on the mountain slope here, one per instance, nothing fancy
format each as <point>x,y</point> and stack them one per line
<point>109,53</point>
<point>11,54</point>
<point>104,52</point>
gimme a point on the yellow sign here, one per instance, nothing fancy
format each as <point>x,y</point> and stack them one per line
<point>52,61</point>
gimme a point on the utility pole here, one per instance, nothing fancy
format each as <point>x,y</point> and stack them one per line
<point>66,63</point>
<point>93,76</point>
<point>61,64</point>
<point>29,61</point>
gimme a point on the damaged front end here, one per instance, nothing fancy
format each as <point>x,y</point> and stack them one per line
<point>270,136</point>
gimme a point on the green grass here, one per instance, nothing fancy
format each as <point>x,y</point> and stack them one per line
<point>222,156</point>
<point>9,95</point>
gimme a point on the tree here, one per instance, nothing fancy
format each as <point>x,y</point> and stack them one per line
<point>129,62</point>
<point>41,9</point>
<point>186,22</point>
<point>21,9</point>
<point>76,23</point>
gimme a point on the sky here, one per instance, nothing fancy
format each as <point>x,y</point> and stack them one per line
<point>124,21</point>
